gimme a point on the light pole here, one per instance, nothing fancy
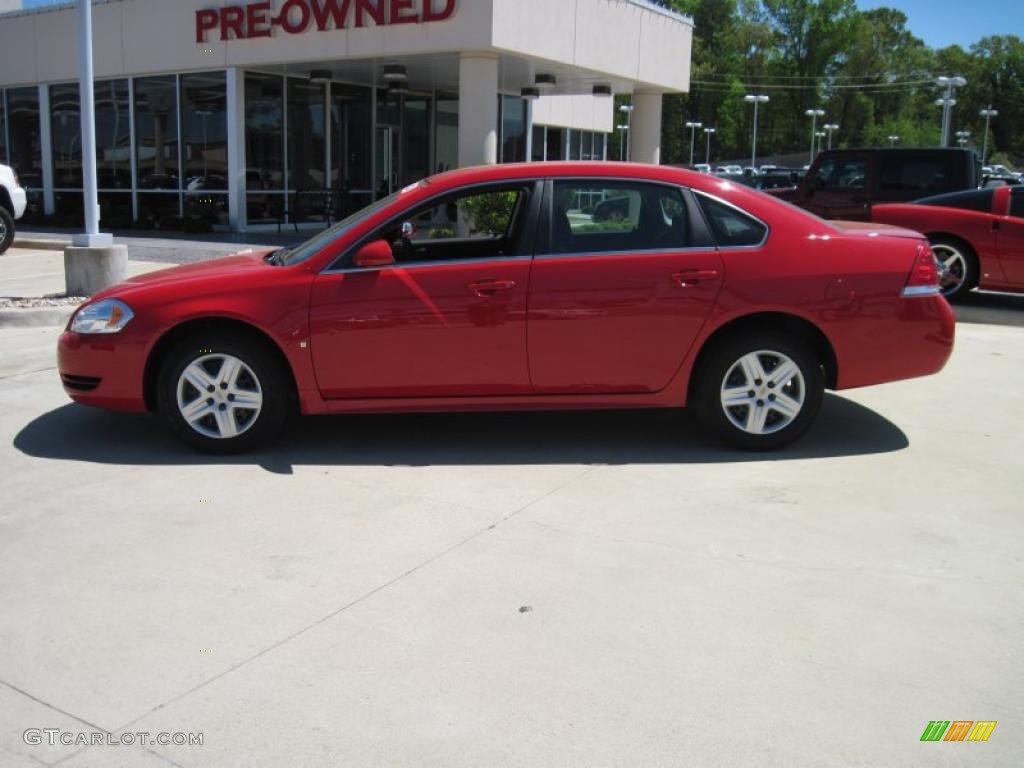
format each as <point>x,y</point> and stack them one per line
<point>627,109</point>
<point>962,137</point>
<point>820,135</point>
<point>87,100</point>
<point>755,99</point>
<point>893,140</point>
<point>830,127</point>
<point>947,103</point>
<point>814,114</point>
<point>622,140</point>
<point>988,114</point>
<point>707,154</point>
<point>693,132</point>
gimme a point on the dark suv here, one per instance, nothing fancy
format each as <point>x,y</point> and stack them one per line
<point>845,183</point>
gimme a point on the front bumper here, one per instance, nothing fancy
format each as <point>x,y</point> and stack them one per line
<point>19,200</point>
<point>102,371</point>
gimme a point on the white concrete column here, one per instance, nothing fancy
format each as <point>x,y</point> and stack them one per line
<point>478,110</point>
<point>646,128</point>
<point>236,148</point>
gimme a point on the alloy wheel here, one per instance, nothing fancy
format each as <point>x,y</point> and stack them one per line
<point>219,396</point>
<point>952,267</point>
<point>763,392</point>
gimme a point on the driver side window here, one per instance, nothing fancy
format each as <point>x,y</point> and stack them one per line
<point>479,223</point>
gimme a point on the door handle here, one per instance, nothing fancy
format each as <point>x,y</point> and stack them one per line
<point>689,277</point>
<point>486,288</point>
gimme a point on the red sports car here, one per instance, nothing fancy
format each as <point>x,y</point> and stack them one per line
<point>507,287</point>
<point>977,236</point>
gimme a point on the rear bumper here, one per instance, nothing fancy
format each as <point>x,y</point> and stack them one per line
<point>917,341</point>
<point>95,371</point>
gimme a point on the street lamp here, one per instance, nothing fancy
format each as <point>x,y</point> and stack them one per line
<point>707,155</point>
<point>893,140</point>
<point>627,110</point>
<point>814,114</point>
<point>962,137</point>
<point>820,135</point>
<point>622,140</point>
<point>693,132</point>
<point>830,127</point>
<point>947,103</point>
<point>988,114</point>
<point>755,99</point>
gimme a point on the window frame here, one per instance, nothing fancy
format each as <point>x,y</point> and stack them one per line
<point>700,232</point>
<point>524,250</point>
<point>743,212</point>
<point>1016,194</point>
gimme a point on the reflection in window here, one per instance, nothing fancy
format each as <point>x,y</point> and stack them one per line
<point>156,132</point>
<point>66,136</point>
<point>731,227</point>
<point>842,173</point>
<point>113,135</point>
<point>3,129</point>
<point>481,215</point>
<point>204,123</point>
<point>23,132</point>
<point>447,141</point>
<point>556,141</point>
<point>350,138</point>
<point>538,144</point>
<point>264,131</point>
<point>513,129</point>
<point>306,135</point>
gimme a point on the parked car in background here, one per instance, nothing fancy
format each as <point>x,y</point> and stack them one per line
<point>977,236</point>
<point>729,170</point>
<point>12,205</point>
<point>492,288</point>
<point>702,168</point>
<point>770,181</point>
<point>846,183</point>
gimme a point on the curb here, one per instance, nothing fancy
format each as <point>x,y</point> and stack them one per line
<point>35,318</point>
<point>40,244</point>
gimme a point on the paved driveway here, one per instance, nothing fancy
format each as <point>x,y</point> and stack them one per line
<point>582,589</point>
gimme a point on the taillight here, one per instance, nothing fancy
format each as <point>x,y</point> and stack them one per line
<point>924,275</point>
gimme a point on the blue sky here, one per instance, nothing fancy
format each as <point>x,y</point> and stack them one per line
<point>945,22</point>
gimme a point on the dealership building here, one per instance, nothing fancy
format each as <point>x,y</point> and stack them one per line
<point>253,115</point>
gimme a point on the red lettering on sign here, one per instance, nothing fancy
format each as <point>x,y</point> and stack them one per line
<point>400,10</point>
<point>284,18</point>
<point>373,7</point>
<point>330,10</point>
<point>429,14</point>
<point>256,20</point>
<point>232,19</point>
<point>205,21</point>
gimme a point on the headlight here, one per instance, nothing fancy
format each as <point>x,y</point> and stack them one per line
<point>106,316</point>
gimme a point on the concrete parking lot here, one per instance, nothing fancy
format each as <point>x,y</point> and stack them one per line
<point>586,589</point>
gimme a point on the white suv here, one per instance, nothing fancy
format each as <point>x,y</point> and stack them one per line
<point>12,205</point>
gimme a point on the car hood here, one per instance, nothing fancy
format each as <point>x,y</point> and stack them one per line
<point>215,269</point>
<point>873,229</point>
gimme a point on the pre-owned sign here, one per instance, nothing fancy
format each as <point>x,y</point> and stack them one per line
<point>296,16</point>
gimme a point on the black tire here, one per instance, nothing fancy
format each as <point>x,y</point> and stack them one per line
<point>6,229</point>
<point>724,360</point>
<point>264,377</point>
<point>966,268</point>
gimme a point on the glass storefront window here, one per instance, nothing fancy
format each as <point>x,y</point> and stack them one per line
<point>587,151</point>
<point>307,156</point>
<point>556,143</point>
<point>350,137</point>
<point>264,131</point>
<point>156,209</point>
<point>446,134</point>
<point>66,136</point>
<point>416,133</point>
<point>156,132</point>
<point>575,141</point>
<point>3,128</point>
<point>539,143</point>
<point>23,131</point>
<point>513,129</point>
<point>113,135</point>
<point>204,128</point>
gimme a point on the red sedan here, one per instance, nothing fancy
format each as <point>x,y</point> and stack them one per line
<point>538,286</point>
<point>977,236</point>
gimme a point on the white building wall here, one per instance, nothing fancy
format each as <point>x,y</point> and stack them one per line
<point>585,113</point>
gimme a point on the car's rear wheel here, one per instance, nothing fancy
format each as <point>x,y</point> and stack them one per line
<point>6,229</point>
<point>225,394</point>
<point>760,391</point>
<point>958,267</point>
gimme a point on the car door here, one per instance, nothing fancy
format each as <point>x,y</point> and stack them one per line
<point>448,318</point>
<point>840,188</point>
<point>621,286</point>
<point>1010,235</point>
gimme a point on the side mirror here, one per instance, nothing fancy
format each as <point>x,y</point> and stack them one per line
<point>408,230</point>
<point>376,253</point>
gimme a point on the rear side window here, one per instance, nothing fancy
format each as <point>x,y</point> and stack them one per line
<point>1017,203</point>
<point>730,227</point>
<point>972,200</point>
<point>611,216</point>
<point>915,175</point>
<point>842,173</point>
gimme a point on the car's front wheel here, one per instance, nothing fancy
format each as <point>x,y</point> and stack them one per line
<point>958,267</point>
<point>760,391</point>
<point>225,394</point>
<point>6,229</point>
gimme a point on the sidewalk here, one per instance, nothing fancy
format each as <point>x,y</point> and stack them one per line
<point>32,287</point>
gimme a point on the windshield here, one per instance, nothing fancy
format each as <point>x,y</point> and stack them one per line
<point>313,246</point>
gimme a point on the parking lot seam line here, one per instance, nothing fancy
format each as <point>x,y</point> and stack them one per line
<point>362,598</point>
<point>26,373</point>
<point>33,758</point>
<point>28,695</point>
